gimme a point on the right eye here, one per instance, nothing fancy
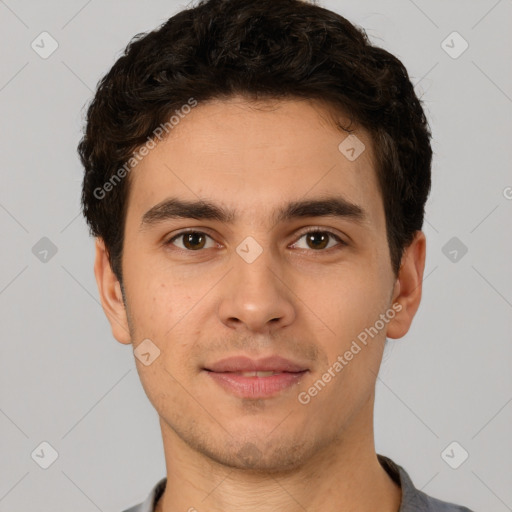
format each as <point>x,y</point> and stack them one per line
<point>191,240</point>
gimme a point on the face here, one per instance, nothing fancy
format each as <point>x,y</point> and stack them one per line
<point>286,256</point>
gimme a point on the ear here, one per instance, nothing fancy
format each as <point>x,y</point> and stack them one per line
<point>408,286</point>
<point>110,295</point>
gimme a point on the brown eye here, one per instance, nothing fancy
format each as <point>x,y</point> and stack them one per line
<point>319,240</point>
<point>191,240</point>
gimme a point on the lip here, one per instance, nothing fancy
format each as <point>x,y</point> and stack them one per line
<point>246,364</point>
<point>255,387</point>
<point>227,373</point>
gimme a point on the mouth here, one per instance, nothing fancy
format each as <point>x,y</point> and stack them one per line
<point>255,374</point>
<point>256,385</point>
<point>266,366</point>
<point>255,379</point>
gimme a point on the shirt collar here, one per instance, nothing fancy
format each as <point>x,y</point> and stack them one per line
<point>412,498</point>
<point>153,497</point>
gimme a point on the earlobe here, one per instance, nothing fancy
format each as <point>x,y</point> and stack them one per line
<point>110,294</point>
<point>408,286</point>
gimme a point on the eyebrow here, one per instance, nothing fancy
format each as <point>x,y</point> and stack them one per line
<point>174,208</point>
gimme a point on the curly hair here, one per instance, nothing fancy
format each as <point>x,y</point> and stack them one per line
<point>265,49</point>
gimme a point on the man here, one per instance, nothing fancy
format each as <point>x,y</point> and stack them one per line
<point>256,175</point>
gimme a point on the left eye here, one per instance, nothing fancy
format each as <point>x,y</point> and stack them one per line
<point>319,240</point>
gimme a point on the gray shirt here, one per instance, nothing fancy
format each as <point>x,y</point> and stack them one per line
<point>413,500</point>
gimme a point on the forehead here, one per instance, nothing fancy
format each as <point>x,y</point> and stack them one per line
<point>245,155</point>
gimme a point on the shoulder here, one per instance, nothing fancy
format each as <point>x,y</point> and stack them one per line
<point>435,505</point>
<point>423,502</point>
<point>414,500</point>
<point>149,503</point>
<point>136,508</point>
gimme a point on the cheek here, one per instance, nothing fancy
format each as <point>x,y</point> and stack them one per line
<point>352,301</point>
<point>157,301</point>
<point>161,316</point>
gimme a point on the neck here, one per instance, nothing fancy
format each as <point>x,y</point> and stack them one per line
<point>345,474</point>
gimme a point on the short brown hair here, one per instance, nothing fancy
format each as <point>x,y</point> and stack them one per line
<point>259,49</point>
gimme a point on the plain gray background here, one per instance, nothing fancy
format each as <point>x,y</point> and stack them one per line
<point>66,381</point>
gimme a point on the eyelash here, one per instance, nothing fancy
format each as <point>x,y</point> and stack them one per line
<point>312,231</point>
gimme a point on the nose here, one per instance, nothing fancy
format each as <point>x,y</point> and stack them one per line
<point>256,296</point>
